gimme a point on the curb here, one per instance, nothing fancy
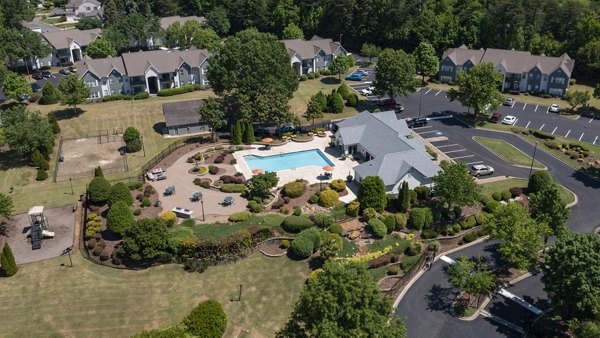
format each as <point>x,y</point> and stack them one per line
<point>505,160</point>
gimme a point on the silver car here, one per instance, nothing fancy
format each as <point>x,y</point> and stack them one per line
<point>481,170</point>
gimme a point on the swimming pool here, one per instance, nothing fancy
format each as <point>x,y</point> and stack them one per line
<point>305,158</point>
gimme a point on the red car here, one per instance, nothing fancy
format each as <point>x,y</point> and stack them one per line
<point>496,117</point>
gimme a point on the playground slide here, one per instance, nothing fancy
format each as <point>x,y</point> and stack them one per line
<point>48,234</point>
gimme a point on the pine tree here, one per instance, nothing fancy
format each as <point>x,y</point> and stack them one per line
<point>98,172</point>
<point>7,259</point>
<point>249,133</point>
<point>403,197</point>
<point>236,133</point>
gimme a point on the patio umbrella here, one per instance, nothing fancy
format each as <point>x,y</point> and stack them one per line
<point>328,168</point>
<point>267,140</point>
<point>257,171</point>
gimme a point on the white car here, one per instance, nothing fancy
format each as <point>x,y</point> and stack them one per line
<point>554,108</point>
<point>367,91</point>
<point>481,170</point>
<point>509,119</point>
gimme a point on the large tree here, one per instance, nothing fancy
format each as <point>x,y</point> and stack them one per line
<point>13,12</point>
<point>471,276</point>
<point>15,86</point>
<point>371,193</point>
<point>146,240</point>
<point>23,44</point>
<point>478,88</point>
<point>292,31</point>
<point>212,113</point>
<point>253,70</point>
<point>426,61</point>
<point>100,48</point>
<point>548,206</point>
<point>6,206</point>
<point>576,98</point>
<point>73,91</point>
<point>572,274</point>
<point>370,51</point>
<point>454,185</point>
<point>26,131</point>
<point>191,33</point>
<point>589,56</point>
<point>339,66</point>
<point>134,28</point>
<point>217,20</point>
<point>395,74</point>
<point>521,237</point>
<point>343,301</point>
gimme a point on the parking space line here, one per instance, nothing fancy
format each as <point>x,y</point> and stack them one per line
<point>474,162</point>
<point>427,92</point>
<point>547,110</point>
<point>514,124</point>
<point>580,137</point>
<point>422,127</point>
<point>596,139</point>
<point>513,104</point>
<point>527,126</point>
<point>543,124</point>
<point>592,119</point>
<point>436,94</point>
<point>525,105</point>
<point>427,132</point>
<point>554,130</point>
<point>448,145</point>
<point>456,158</point>
<point>568,133</point>
<point>419,89</point>
<point>454,151</point>
<point>536,107</point>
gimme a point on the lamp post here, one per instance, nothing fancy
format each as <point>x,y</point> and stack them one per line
<point>71,181</point>
<point>420,100</point>
<point>532,160</point>
<point>202,203</point>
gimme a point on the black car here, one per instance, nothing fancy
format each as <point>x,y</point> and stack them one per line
<point>37,76</point>
<point>417,122</point>
<point>47,74</point>
<point>36,87</point>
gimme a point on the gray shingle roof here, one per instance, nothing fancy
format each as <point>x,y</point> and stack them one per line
<point>169,20</point>
<point>308,49</point>
<point>62,39</point>
<point>100,67</point>
<point>462,54</point>
<point>182,113</point>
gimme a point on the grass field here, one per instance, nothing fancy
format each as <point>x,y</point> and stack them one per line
<point>508,152</point>
<point>489,188</point>
<point>89,300</point>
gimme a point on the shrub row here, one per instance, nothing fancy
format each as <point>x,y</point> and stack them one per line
<point>295,224</point>
<point>540,134</point>
<point>176,91</point>
<point>233,188</point>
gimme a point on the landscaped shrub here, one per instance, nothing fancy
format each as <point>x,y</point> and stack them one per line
<point>352,100</point>
<point>456,227</point>
<point>457,212</point>
<point>41,175</point>
<point>336,103</point>
<point>119,218</point>
<point>285,210</point>
<point>322,220</point>
<point>297,210</point>
<point>7,260</point>
<point>422,192</point>
<point>255,207</point>
<point>295,224</point>
<point>104,255</point>
<point>482,218</point>
<point>492,206</point>
<point>344,90</point>
<point>328,198</point>
<point>294,189</point>
<point>93,225</point>
<point>314,235</point>
<point>539,180</point>
<point>515,191</point>
<point>116,97</point>
<point>337,185</point>
<point>233,188</point>
<point>506,195</point>
<point>176,91</point>
<point>302,247</point>
<point>303,78</point>
<point>137,212</point>
<point>169,217</point>
<point>353,208</point>
<point>120,192</point>
<point>420,218</point>
<point>377,227</point>
<point>470,237</point>
<point>213,170</point>
<point>468,223</point>
<point>393,270</point>
<point>145,202</point>
<point>99,190</point>
<point>414,248</point>
<point>497,196</point>
<point>379,261</point>
<point>390,222</point>
<point>540,134</point>
<point>231,179</point>
<point>310,76</point>
<point>141,96</point>
<point>552,144</point>
<point>336,229</point>
<point>239,216</point>
<point>313,199</point>
<point>369,213</point>
<point>400,220</point>
<point>371,193</point>
<point>208,319</point>
<point>285,244</point>
<point>428,234</point>
<point>408,263</point>
<point>50,94</point>
<point>135,185</point>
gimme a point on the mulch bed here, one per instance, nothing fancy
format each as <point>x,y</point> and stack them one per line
<point>387,283</point>
<point>304,138</point>
<point>272,248</point>
<point>179,152</point>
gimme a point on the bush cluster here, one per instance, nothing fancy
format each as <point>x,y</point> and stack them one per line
<point>231,179</point>
<point>328,198</point>
<point>294,189</point>
<point>169,217</point>
<point>116,97</point>
<point>379,261</point>
<point>377,227</point>
<point>239,216</point>
<point>176,91</point>
<point>295,224</point>
<point>370,213</point>
<point>208,319</point>
<point>422,192</point>
<point>141,96</point>
<point>306,243</point>
<point>468,223</point>
<point>337,185</point>
<point>93,225</point>
<point>336,229</point>
<point>420,218</point>
<point>543,135</point>
<point>233,188</point>
<point>353,208</point>
<point>552,144</point>
<point>255,207</point>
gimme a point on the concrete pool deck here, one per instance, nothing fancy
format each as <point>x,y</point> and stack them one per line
<point>309,173</point>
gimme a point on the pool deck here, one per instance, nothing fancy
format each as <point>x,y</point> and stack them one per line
<point>312,174</point>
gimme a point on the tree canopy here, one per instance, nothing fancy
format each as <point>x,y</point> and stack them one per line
<point>135,28</point>
<point>576,98</point>
<point>15,86</point>
<point>426,60</point>
<point>100,48</point>
<point>343,301</point>
<point>73,91</point>
<point>212,113</point>
<point>454,185</point>
<point>262,184</point>
<point>6,206</point>
<point>548,206</point>
<point>146,239</point>
<point>26,131</point>
<point>191,33</point>
<point>371,193</point>
<point>471,276</point>
<point>478,88</point>
<point>395,73</point>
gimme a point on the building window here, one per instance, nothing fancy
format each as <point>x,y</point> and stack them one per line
<point>560,80</point>
<point>87,8</point>
<point>181,72</point>
<point>447,68</point>
<point>94,95</point>
<point>545,77</point>
<point>91,83</point>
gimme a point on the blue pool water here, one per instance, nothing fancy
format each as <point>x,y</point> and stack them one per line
<point>306,158</point>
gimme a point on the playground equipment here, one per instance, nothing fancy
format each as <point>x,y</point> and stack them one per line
<point>38,225</point>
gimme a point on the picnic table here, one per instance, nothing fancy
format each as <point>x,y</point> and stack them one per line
<point>158,170</point>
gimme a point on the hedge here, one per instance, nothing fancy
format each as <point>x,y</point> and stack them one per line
<point>176,91</point>
<point>540,134</point>
<point>377,227</point>
<point>239,216</point>
<point>552,144</point>
<point>141,96</point>
<point>295,224</point>
<point>233,188</point>
<point>207,320</point>
<point>420,218</point>
<point>328,198</point>
<point>294,189</point>
<point>116,97</point>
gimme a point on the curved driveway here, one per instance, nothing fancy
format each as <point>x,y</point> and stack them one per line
<point>426,303</point>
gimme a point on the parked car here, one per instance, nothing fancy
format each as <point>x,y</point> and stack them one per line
<point>286,128</point>
<point>47,74</point>
<point>367,91</point>
<point>509,101</point>
<point>160,177</point>
<point>481,170</point>
<point>354,77</point>
<point>65,71</point>
<point>509,119</point>
<point>363,72</point>
<point>37,76</point>
<point>554,108</point>
<point>496,117</point>
<point>36,87</point>
<point>417,122</point>
<point>24,97</point>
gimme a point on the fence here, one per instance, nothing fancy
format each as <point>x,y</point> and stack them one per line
<point>57,161</point>
<point>402,281</point>
<point>169,150</point>
<point>89,173</point>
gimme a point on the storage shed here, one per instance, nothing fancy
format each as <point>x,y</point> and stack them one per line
<point>182,118</point>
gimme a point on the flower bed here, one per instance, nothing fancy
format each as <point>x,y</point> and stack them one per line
<point>303,138</point>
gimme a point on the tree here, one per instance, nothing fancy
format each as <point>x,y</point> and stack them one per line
<point>395,74</point>
<point>98,172</point>
<point>120,192</point>
<point>206,38</point>
<point>217,19</point>
<point>314,108</point>
<point>370,51</point>
<point>336,103</point>
<point>343,301</point>
<point>112,13</point>
<point>236,133</point>
<point>455,186</point>
<point>146,240</point>
<point>521,238</point>
<point>547,206</point>
<point>478,88</point>
<point>211,113</point>
<point>15,86</point>
<point>339,66</point>
<point>88,23</point>
<point>572,274</point>
<point>100,48</point>
<point>6,206</point>
<point>16,11</point>
<point>27,131</point>
<point>134,28</point>
<point>49,94</point>
<point>576,98</point>
<point>284,14</point>
<point>191,33</point>
<point>99,190</point>
<point>371,193</point>
<point>7,260</point>
<point>262,184</point>
<point>589,57</point>
<point>208,319</point>
<point>21,43</point>
<point>248,136</point>
<point>133,143</point>
<point>292,31</point>
<point>538,181</point>
<point>426,61</point>
<point>403,197</point>
<point>120,218</point>
<point>471,276</point>
<point>53,123</point>
<point>73,91</point>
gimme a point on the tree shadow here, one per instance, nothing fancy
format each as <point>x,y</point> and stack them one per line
<point>586,176</point>
<point>10,159</point>
<point>67,113</point>
<point>159,127</point>
<point>440,299</point>
<point>511,312</point>
<point>494,259</point>
<point>315,262</point>
<point>363,105</point>
<point>330,80</point>
<point>454,122</point>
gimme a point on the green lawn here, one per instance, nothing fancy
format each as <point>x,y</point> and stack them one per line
<point>489,188</point>
<point>219,230</point>
<point>508,152</point>
<point>89,300</point>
